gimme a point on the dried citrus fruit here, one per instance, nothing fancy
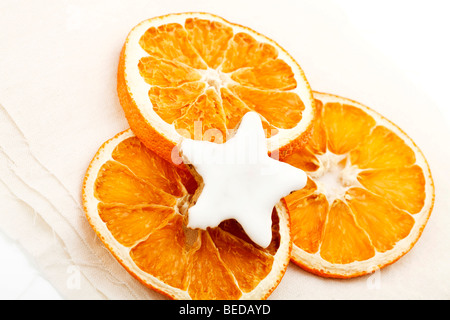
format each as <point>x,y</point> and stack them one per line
<point>196,74</point>
<point>137,204</point>
<point>369,192</point>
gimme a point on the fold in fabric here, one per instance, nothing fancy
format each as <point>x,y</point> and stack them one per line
<point>49,222</point>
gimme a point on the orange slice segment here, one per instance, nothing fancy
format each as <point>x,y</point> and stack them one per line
<point>209,38</point>
<point>172,103</point>
<point>343,240</point>
<point>194,122</point>
<point>207,268</point>
<point>404,186</point>
<point>308,219</point>
<point>240,256</point>
<point>166,73</point>
<point>138,204</point>
<point>235,109</point>
<point>153,256</point>
<point>346,126</point>
<point>129,223</point>
<point>245,51</point>
<point>384,223</point>
<point>170,41</point>
<point>282,109</point>
<point>117,184</point>
<point>185,71</point>
<point>369,194</point>
<point>382,149</point>
<point>273,74</point>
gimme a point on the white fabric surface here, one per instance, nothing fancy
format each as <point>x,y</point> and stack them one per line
<point>58,104</point>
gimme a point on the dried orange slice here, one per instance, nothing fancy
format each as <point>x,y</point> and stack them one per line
<point>369,192</point>
<point>137,204</point>
<point>195,75</point>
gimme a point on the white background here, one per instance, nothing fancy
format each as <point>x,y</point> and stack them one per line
<point>412,35</point>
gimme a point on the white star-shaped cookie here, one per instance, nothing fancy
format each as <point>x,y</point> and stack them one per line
<point>240,181</point>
